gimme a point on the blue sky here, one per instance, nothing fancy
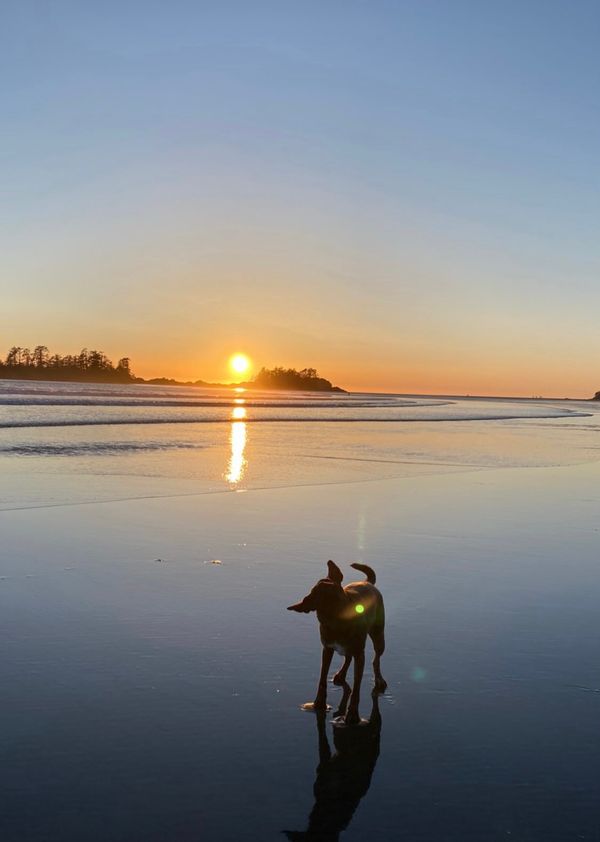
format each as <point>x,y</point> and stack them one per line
<point>405,195</point>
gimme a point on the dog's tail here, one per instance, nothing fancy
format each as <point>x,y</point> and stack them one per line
<point>369,573</point>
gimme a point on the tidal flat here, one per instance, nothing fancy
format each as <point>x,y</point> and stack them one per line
<point>153,678</point>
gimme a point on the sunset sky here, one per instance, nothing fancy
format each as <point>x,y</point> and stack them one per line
<point>404,195</point>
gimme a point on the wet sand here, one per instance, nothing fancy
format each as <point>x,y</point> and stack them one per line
<point>152,694</point>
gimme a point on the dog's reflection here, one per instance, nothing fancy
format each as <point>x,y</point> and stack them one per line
<point>344,777</point>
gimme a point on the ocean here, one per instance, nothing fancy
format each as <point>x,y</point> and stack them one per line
<point>107,442</point>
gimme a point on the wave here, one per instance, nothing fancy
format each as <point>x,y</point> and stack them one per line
<point>93,448</point>
<point>247,403</point>
<point>104,422</point>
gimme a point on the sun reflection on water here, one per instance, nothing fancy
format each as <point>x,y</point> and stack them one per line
<point>237,459</point>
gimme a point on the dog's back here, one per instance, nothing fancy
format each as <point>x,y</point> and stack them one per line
<point>367,601</point>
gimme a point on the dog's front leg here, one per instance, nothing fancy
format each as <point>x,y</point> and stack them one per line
<point>352,717</point>
<point>321,697</point>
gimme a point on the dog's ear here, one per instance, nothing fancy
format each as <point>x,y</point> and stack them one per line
<point>334,573</point>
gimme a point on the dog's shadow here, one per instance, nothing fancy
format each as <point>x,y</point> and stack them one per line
<point>344,777</point>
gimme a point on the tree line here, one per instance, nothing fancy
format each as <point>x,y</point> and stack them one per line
<point>40,364</point>
<point>307,379</point>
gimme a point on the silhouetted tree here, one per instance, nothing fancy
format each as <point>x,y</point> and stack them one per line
<point>40,356</point>
<point>123,365</point>
<point>13,358</point>
<point>82,359</point>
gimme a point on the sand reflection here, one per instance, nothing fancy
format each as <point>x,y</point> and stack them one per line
<point>237,460</point>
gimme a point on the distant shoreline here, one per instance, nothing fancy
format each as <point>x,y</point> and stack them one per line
<point>201,384</point>
<point>165,381</point>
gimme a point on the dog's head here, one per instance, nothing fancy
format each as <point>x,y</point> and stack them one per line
<point>324,594</point>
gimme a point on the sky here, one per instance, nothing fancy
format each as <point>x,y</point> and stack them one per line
<point>403,195</point>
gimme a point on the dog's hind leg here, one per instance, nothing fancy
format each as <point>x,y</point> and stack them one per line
<point>339,679</point>
<point>378,638</point>
<point>340,713</point>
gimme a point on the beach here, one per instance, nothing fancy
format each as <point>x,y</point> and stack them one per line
<point>153,678</point>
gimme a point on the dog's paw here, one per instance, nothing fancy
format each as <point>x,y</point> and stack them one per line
<point>380,686</point>
<point>339,679</point>
<point>352,718</point>
<point>348,721</point>
<point>316,707</point>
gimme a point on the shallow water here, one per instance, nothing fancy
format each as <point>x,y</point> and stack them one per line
<point>80,447</point>
<point>152,694</point>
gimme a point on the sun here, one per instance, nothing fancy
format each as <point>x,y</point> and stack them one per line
<point>239,363</point>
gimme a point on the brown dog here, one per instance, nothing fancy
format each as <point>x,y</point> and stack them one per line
<point>346,616</point>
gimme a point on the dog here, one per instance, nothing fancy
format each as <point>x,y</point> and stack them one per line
<point>346,616</point>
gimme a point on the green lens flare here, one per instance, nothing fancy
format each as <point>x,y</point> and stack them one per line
<point>359,608</point>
